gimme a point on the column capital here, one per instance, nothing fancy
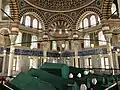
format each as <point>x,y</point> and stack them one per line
<point>76,44</point>
<point>45,45</point>
<point>13,38</point>
<point>15,28</point>
<point>108,36</point>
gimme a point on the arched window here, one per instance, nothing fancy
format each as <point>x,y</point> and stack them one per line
<point>33,42</point>
<point>101,38</point>
<point>21,21</point>
<point>7,10</point>
<point>113,8</point>
<point>86,41</point>
<point>92,20</point>
<point>86,24</point>
<point>98,19</point>
<point>54,45</point>
<point>40,26</point>
<point>35,23</point>
<point>27,21</point>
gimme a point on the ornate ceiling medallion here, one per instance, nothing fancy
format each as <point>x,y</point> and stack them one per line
<point>59,5</point>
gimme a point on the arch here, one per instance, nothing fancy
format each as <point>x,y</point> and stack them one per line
<point>83,13</point>
<point>60,17</point>
<point>35,13</point>
<point>4,36</point>
<point>2,30</point>
<point>89,10</point>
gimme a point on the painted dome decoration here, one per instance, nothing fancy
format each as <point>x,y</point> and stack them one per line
<point>59,5</point>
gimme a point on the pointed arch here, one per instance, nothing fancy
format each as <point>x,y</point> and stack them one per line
<point>85,12</point>
<point>40,17</point>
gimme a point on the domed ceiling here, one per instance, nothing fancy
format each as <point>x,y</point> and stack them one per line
<point>59,5</point>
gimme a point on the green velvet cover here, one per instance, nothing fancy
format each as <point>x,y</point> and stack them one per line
<point>56,81</point>
<point>2,87</point>
<point>58,69</point>
<point>26,82</point>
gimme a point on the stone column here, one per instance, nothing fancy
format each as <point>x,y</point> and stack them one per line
<point>0,10</point>
<point>95,61</point>
<point>76,58</point>
<point>4,62</point>
<point>116,60</point>
<point>108,37</point>
<point>118,7</point>
<point>86,62</point>
<point>45,48</point>
<point>76,48</point>
<point>36,60</point>
<point>13,36</point>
